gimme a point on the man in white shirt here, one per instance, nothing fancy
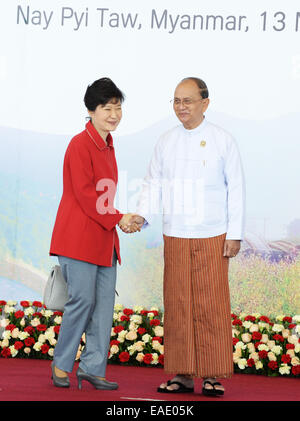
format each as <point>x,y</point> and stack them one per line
<point>195,179</point>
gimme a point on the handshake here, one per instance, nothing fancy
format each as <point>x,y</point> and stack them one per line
<point>131,222</point>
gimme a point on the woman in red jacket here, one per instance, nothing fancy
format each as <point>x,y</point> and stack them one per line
<point>86,242</point>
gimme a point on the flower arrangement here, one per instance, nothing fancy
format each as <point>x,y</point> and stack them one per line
<point>261,345</point>
<point>266,346</point>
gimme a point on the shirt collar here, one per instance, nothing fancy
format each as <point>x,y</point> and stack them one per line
<point>96,138</point>
<point>197,129</point>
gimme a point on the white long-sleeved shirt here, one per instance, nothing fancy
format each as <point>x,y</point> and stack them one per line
<point>195,180</point>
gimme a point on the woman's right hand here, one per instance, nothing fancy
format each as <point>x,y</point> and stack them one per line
<point>130,223</point>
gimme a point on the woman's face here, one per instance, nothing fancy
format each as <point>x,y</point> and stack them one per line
<point>106,118</point>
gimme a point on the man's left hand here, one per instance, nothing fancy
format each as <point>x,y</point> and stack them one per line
<point>231,248</point>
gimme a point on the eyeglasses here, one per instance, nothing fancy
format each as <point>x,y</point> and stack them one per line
<point>185,101</point>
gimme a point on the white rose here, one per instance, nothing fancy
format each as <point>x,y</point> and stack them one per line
<point>8,309</point>
<point>42,338</point>
<point>240,344</point>
<point>112,332</point>
<point>114,349</point>
<point>284,369</point>
<point>37,346</point>
<point>263,347</point>
<point>29,311</point>
<point>13,351</point>
<point>247,324</point>
<point>140,357</point>
<point>35,322</point>
<point>271,344</point>
<point>280,317</point>
<point>276,349</point>
<point>15,333</point>
<point>146,338</point>
<point>11,303</point>
<point>118,307</point>
<point>6,334</point>
<point>264,338</point>
<point>115,316</point>
<point>159,331</point>
<point>254,328</point>
<point>136,319</point>
<point>155,345</point>
<point>131,335</point>
<point>150,315</point>
<point>22,322</point>
<point>155,358</point>
<point>295,361</point>
<point>290,352</point>
<point>139,346</point>
<point>132,326</point>
<point>138,309</point>
<point>5,343</point>
<point>242,363</point>
<point>263,325</point>
<point>246,337</point>
<point>48,313</point>
<point>27,350</point>
<point>285,333</point>
<point>254,356</point>
<point>4,322</point>
<point>52,341</point>
<point>236,356</point>
<point>251,347</point>
<point>297,348</point>
<point>51,352</point>
<point>272,356</point>
<point>23,335</point>
<point>58,320</point>
<point>277,328</point>
<point>258,365</point>
<point>296,318</point>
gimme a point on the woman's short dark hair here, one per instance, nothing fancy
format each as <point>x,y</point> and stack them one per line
<point>201,85</point>
<point>101,92</point>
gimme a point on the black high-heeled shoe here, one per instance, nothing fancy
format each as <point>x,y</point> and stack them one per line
<point>59,381</point>
<point>95,381</point>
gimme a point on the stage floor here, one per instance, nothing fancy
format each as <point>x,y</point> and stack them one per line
<point>30,380</point>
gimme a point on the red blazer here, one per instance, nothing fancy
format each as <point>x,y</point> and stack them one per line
<point>80,231</point>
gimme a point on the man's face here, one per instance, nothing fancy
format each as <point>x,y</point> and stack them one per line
<point>188,104</point>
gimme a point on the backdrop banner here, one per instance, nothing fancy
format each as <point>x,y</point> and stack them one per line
<point>248,54</point>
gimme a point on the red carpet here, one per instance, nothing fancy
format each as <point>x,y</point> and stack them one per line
<point>29,380</point>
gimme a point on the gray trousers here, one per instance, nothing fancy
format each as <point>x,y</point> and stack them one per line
<point>89,309</point>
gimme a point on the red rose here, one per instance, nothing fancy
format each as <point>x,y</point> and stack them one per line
<point>118,329</point>
<point>25,303</point>
<point>41,328</point>
<point>278,338</point>
<point>250,362</point>
<point>18,345</point>
<point>37,314</point>
<point>264,319</point>
<point>5,352</point>
<point>144,312</point>
<point>125,319</point>
<point>45,348</point>
<point>147,358</point>
<point>128,311</point>
<point>56,329</point>
<point>19,314</point>
<point>233,316</point>
<point>161,359</point>
<point>292,325</point>
<point>29,329</point>
<point>114,342</point>
<point>157,338</point>
<point>124,357</point>
<point>10,327</point>
<point>290,346</point>
<point>250,318</point>
<point>57,313</point>
<point>273,365</point>
<point>29,341</point>
<point>235,341</point>
<point>286,358</point>
<point>287,319</point>
<point>155,312</point>
<point>237,322</point>
<point>37,304</point>
<point>141,330</point>
<point>2,303</point>
<point>257,336</point>
<point>296,370</point>
<point>155,322</point>
<point>262,354</point>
